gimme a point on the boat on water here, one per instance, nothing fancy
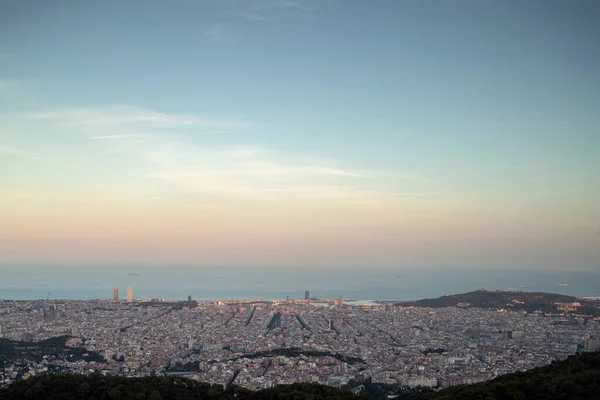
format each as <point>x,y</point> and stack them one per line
<point>563,284</point>
<point>134,273</point>
<point>525,286</point>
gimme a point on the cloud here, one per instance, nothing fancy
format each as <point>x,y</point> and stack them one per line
<point>176,161</point>
<point>245,151</point>
<point>216,32</point>
<point>411,194</point>
<point>125,136</point>
<point>254,16</point>
<point>272,10</point>
<point>130,117</point>
<point>261,170</point>
<point>331,192</point>
<point>118,115</point>
<point>11,150</point>
<point>282,5</point>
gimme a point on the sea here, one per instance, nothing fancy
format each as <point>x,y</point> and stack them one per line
<point>237,283</point>
<point>248,283</point>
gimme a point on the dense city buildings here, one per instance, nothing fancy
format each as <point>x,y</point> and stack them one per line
<point>258,344</point>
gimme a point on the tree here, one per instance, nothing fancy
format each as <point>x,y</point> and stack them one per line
<point>155,395</point>
<point>84,390</point>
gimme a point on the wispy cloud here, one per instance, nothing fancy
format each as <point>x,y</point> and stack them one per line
<point>283,5</point>
<point>172,158</point>
<point>255,16</point>
<point>274,10</point>
<point>125,136</point>
<point>136,118</point>
<point>11,150</point>
<point>216,32</point>
<point>261,170</point>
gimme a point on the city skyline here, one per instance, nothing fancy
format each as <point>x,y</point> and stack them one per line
<point>300,134</point>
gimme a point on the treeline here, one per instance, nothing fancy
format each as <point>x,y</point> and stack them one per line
<point>99,387</point>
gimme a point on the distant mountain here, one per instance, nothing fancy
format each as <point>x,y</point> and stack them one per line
<point>513,300</point>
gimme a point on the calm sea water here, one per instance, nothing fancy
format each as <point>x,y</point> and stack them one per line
<point>174,283</point>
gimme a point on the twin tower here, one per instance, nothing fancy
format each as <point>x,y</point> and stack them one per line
<point>129,294</point>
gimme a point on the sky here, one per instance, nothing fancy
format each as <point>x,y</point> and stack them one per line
<point>300,133</point>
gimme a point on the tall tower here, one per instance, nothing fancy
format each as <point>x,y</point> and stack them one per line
<point>129,294</point>
<point>116,294</point>
<point>306,295</point>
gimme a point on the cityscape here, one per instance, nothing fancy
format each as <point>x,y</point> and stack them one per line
<point>258,344</point>
<point>299,200</point>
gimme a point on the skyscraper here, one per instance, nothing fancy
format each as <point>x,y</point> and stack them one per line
<point>306,295</point>
<point>116,294</point>
<point>129,294</point>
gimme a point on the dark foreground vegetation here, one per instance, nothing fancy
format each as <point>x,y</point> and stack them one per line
<point>576,378</point>
<point>99,387</point>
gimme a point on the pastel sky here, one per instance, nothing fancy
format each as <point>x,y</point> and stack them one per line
<point>293,133</point>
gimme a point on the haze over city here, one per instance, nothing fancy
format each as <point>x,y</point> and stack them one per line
<point>300,133</point>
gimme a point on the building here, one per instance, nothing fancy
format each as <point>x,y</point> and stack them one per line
<point>592,345</point>
<point>129,294</point>
<point>306,295</point>
<point>189,298</point>
<point>50,313</point>
<point>116,294</point>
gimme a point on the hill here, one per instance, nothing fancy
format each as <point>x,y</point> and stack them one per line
<point>514,300</point>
